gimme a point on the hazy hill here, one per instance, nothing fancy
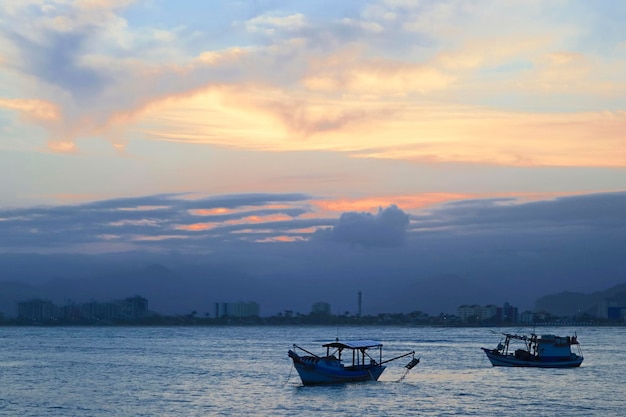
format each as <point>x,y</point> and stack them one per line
<point>573,303</point>
<point>439,294</point>
<point>279,278</point>
<point>167,291</point>
<point>13,292</point>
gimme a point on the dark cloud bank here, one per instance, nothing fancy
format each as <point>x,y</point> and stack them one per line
<point>480,251</point>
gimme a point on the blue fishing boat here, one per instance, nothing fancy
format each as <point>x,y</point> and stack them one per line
<point>345,361</point>
<point>545,351</point>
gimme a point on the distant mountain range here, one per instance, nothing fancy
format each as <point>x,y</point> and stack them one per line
<point>574,303</point>
<point>184,288</point>
<point>167,291</point>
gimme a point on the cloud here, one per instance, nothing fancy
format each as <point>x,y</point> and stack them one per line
<point>508,241</point>
<point>36,109</point>
<point>51,43</point>
<point>271,120</point>
<point>56,62</point>
<point>149,220</point>
<point>338,83</point>
<point>192,221</point>
<point>569,215</point>
<point>342,73</point>
<point>500,138</point>
<point>270,23</point>
<point>386,228</point>
<point>406,202</point>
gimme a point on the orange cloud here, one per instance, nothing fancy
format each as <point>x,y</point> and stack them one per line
<point>357,98</point>
<point>405,202</point>
<point>62,146</point>
<point>197,227</point>
<point>211,212</point>
<point>417,202</point>
<point>230,55</point>
<point>222,210</point>
<point>518,139</point>
<point>337,74</point>
<point>281,239</point>
<point>260,219</point>
<point>272,120</point>
<point>159,238</point>
<point>35,109</point>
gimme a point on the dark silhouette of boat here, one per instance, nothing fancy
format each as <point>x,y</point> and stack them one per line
<point>362,362</point>
<point>545,351</point>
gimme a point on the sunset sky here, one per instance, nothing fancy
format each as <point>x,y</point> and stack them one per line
<point>130,124</point>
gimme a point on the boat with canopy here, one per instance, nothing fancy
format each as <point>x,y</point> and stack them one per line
<point>538,351</point>
<point>344,361</point>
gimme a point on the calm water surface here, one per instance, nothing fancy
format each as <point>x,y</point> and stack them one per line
<point>245,371</point>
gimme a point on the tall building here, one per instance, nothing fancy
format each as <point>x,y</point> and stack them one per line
<point>509,314</point>
<point>239,309</point>
<point>38,310</point>
<point>131,308</point>
<point>320,308</point>
<point>476,313</point>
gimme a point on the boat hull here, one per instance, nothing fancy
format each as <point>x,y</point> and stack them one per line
<point>320,374</point>
<point>497,359</point>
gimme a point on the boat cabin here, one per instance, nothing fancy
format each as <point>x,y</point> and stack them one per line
<point>359,350</point>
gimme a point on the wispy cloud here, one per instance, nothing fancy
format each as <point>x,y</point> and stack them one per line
<point>131,221</point>
<point>38,110</point>
<point>480,83</point>
<point>174,221</point>
<point>568,215</point>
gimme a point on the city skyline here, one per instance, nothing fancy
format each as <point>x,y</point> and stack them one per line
<point>135,310</point>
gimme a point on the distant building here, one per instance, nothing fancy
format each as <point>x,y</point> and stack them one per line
<point>131,308</point>
<point>611,310</point>
<point>474,313</point>
<point>616,313</point>
<point>509,314</point>
<point>527,317</point>
<point>237,310</point>
<point>489,313</point>
<point>38,310</point>
<point>320,308</point>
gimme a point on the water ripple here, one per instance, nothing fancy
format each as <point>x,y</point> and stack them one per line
<point>245,371</point>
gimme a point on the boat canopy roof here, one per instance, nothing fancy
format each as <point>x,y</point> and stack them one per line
<point>354,344</point>
<point>544,338</point>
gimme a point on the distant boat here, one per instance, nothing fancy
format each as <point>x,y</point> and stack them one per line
<point>364,362</point>
<point>545,351</point>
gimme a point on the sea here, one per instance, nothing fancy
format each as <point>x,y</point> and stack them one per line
<point>245,371</point>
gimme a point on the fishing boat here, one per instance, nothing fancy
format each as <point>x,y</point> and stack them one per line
<point>345,361</point>
<point>544,351</point>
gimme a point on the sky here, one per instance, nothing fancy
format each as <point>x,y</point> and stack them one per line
<point>159,126</point>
